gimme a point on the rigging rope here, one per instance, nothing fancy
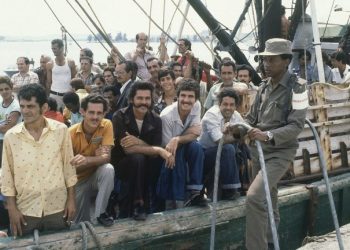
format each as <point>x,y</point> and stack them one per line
<point>150,22</point>
<point>62,24</point>
<point>97,38</point>
<point>98,20</point>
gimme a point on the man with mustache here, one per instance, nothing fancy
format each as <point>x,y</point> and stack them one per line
<point>138,136</point>
<point>180,130</point>
<point>92,141</point>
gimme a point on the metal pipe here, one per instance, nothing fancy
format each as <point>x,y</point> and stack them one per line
<point>62,25</point>
<point>149,22</point>
<point>215,194</point>
<point>326,180</point>
<point>182,25</point>
<point>317,42</point>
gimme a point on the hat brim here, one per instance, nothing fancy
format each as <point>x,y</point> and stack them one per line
<point>266,53</point>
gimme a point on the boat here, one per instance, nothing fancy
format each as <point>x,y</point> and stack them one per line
<point>304,206</point>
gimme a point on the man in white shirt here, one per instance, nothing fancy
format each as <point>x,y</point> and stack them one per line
<point>213,123</point>
<point>341,71</point>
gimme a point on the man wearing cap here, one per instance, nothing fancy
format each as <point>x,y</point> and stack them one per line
<point>277,117</point>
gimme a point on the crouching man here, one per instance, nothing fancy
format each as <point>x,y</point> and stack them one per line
<point>213,123</point>
<point>92,142</point>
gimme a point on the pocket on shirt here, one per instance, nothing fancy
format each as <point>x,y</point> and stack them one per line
<point>274,112</point>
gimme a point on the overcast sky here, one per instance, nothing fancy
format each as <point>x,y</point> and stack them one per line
<point>33,18</point>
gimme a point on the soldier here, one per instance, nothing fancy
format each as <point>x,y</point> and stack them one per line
<point>277,115</point>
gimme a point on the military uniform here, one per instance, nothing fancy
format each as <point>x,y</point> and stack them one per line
<point>280,109</point>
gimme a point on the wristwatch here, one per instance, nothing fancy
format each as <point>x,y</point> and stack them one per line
<point>269,136</point>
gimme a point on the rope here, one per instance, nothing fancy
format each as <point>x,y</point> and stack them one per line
<point>98,20</point>
<point>87,26</point>
<point>94,235</point>
<point>84,235</point>
<point>150,22</point>
<point>62,24</point>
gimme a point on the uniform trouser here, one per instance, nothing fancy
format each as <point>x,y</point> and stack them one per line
<point>101,181</point>
<point>50,222</point>
<point>258,232</point>
<point>229,173</point>
<point>172,182</point>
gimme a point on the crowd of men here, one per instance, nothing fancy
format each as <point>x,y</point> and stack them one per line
<point>141,136</point>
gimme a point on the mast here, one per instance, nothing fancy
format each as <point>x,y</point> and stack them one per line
<point>222,35</point>
<point>182,26</point>
<point>241,18</point>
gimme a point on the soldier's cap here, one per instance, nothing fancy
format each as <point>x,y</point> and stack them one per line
<point>277,46</point>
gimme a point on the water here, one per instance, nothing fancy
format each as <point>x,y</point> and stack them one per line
<point>9,51</point>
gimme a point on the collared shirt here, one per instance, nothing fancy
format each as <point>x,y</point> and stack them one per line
<point>161,104</point>
<point>103,136</point>
<point>212,125</point>
<point>19,79</point>
<point>39,172</point>
<point>172,124</point>
<point>142,71</point>
<point>336,77</point>
<point>308,74</point>
<point>87,80</point>
<point>124,86</point>
<point>212,95</point>
<point>82,93</point>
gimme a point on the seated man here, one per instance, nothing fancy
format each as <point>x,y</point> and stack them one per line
<point>180,130</point>
<point>92,141</point>
<point>138,136</point>
<point>37,178</point>
<point>213,123</point>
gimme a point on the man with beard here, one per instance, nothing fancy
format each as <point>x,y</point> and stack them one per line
<point>92,141</point>
<point>213,123</point>
<point>180,130</point>
<point>277,117</point>
<point>59,73</point>
<point>140,56</point>
<point>138,136</point>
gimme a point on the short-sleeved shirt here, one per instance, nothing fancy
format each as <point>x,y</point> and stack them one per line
<point>172,124</point>
<point>212,125</point>
<point>19,79</point>
<point>142,71</point>
<point>6,111</point>
<point>103,136</point>
<point>38,173</point>
<point>336,77</point>
<point>212,95</point>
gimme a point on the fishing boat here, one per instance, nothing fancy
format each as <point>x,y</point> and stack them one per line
<point>303,200</point>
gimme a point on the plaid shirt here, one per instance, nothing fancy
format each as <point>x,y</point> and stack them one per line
<point>19,80</point>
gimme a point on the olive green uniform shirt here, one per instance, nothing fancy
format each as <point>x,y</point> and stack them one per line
<point>272,111</point>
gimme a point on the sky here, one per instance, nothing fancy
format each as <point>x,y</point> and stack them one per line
<point>23,18</point>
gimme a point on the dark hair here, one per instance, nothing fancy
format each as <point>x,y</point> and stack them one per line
<point>28,91</point>
<point>110,88</point>
<point>52,103</point>
<point>59,42</point>
<point>138,36</point>
<point>26,59</point>
<point>155,58</point>
<point>98,76</point>
<point>7,80</point>
<point>175,64</point>
<point>286,56</point>
<point>139,85</point>
<point>77,83</point>
<point>71,97</point>
<point>339,56</point>
<point>94,98</point>
<point>307,53</point>
<point>188,84</point>
<point>110,69</point>
<point>245,67</point>
<point>129,65</point>
<point>186,42</point>
<point>86,58</point>
<point>228,63</point>
<point>228,92</point>
<point>283,10</point>
<point>87,52</point>
<point>165,72</point>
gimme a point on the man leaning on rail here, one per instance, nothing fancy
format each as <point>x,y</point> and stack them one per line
<point>277,117</point>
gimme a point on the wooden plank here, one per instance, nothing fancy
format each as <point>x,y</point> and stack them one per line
<point>332,94</point>
<point>340,128</point>
<point>309,145</point>
<point>336,140</point>
<point>298,166</point>
<point>339,112</point>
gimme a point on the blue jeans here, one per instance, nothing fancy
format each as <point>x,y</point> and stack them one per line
<point>229,173</point>
<point>172,183</point>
